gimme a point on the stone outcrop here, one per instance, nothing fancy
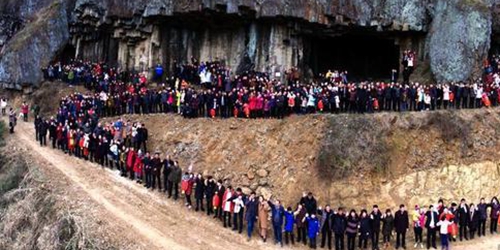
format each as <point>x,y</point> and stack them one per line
<point>459,38</point>
<point>33,47</point>
<point>453,36</point>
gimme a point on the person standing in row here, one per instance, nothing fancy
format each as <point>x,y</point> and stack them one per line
<point>401,223</point>
<point>326,226</point>
<point>431,220</point>
<point>387,227</point>
<point>463,219</point>
<point>352,229</point>
<point>375,218</point>
<point>339,223</point>
<point>251,213</point>
<point>174,179</point>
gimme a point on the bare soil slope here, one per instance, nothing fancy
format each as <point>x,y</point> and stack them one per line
<point>344,159</point>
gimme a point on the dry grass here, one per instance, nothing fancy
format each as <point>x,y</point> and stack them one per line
<point>31,217</point>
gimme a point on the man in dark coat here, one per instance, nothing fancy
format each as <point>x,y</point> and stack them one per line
<point>53,133</point>
<point>326,227</point>
<point>482,208</point>
<point>463,219</point>
<point>375,218</point>
<point>156,166</point>
<point>277,218</point>
<point>174,178</point>
<point>220,189</point>
<point>167,168</point>
<point>401,224</point>
<point>310,203</point>
<point>199,192</point>
<point>209,193</point>
<point>431,220</point>
<point>42,132</point>
<point>148,170</point>
<point>251,206</point>
<point>339,224</point>
<point>37,122</point>
<point>142,133</point>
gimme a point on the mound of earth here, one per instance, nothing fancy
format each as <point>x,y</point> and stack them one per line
<point>349,160</point>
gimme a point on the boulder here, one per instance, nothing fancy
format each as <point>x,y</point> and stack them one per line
<point>262,172</point>
<point>250,174</point>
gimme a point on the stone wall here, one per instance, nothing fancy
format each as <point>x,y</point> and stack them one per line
<point>266,35</point>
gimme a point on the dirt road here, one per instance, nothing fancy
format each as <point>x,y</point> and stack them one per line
<point>153,221</point>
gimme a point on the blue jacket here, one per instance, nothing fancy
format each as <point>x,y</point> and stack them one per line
<point>277,214</point>
<point>312,227</point>
<point>289,220</point>
<point>159,70</point>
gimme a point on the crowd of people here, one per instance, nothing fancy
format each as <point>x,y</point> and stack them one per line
<point>208,90</point>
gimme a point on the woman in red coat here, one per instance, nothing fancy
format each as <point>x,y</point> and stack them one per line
<point>187,187</point>
<point>24,111</point>
<point>138,167</point>
<point>252,104</point>
<point>131,157</point>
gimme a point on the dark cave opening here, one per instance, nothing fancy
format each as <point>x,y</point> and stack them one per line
<point>66,55</point>
<point>365,57</point>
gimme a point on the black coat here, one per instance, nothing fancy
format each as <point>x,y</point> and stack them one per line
<point>463,215</point>
<point>429,216</point>
<point>474,219</point>
<point>210,189</point>
<point>375,219</point>
<point>388,225</point>
<point>339,223</point>
<point>200,188</point>
<point>364,227</point>
<point>310,204</point>
<point>401,221</point>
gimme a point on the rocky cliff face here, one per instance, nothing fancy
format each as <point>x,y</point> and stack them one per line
<point>266,35</point>
<point>34,47</point>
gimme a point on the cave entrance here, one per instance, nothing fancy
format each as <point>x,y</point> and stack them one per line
<point>365,57</point>
<point>66,55</point>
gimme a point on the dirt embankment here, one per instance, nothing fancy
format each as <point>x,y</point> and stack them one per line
<point>344,159</point>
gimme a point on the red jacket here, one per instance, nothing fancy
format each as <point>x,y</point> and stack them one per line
<point>187,186</point>
<point>138,165</point>
<point>216,201</point>
<point>24,109</point>
<point>131,159</point>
